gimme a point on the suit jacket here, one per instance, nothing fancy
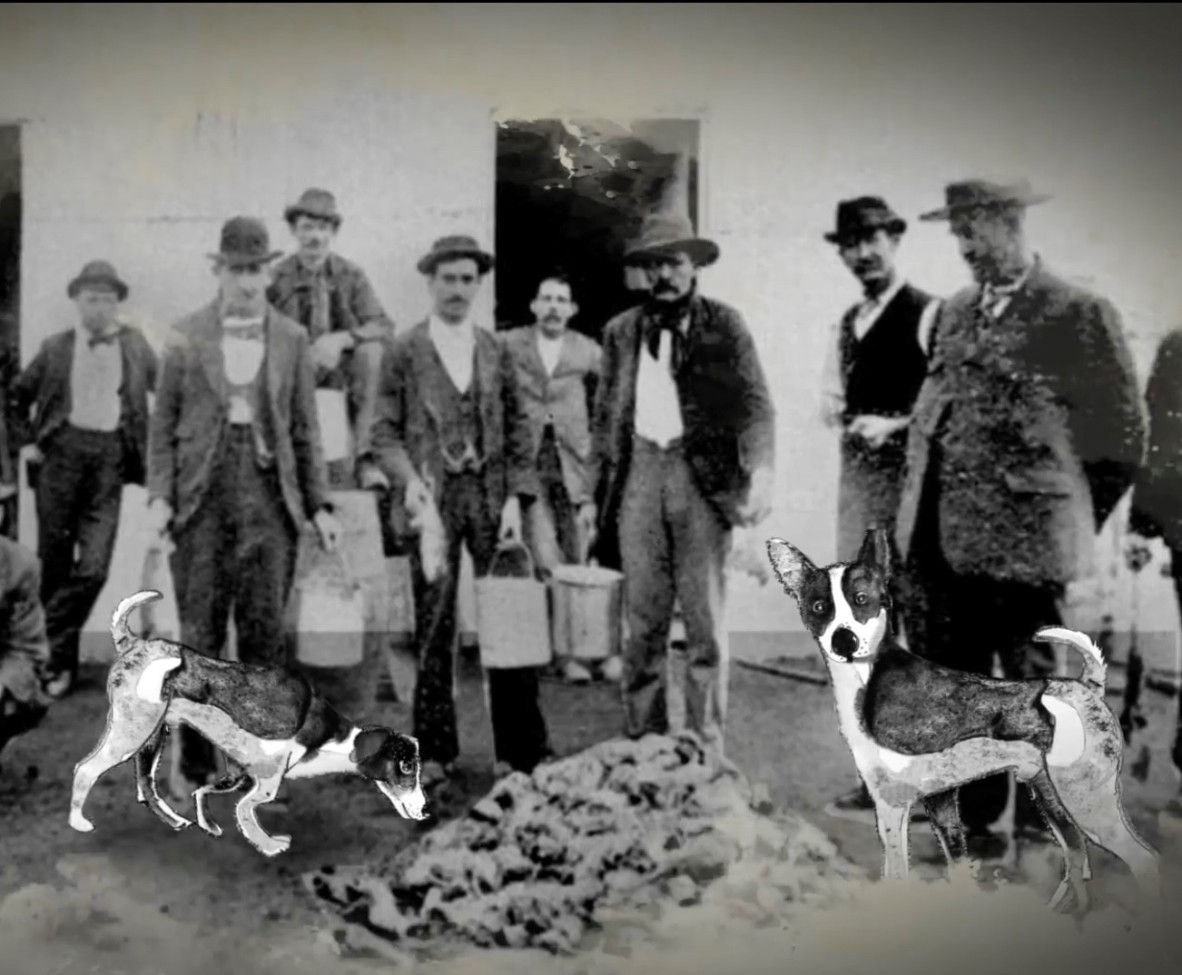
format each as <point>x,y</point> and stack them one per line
<point>24,647</point>
<point>405,439</point>
<point>727,412</point>
<point>44,389</point>
<point>192,415</point>
<point>1037,418</point>
<point>1156,508</point>
<point>564,398</point>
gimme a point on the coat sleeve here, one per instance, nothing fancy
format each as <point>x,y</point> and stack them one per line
<point>601,409</point>
<point>305,432</point>
<point>757,441</point>
<point>23,395</point>
<point>522,474</point>
<point>1153,503</point>
<point>388,437</point>
<point>371,319</point>
<point>162,425</point>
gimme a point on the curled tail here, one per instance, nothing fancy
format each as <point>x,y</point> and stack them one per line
<point>120,631</point>
<point>1095,670</point>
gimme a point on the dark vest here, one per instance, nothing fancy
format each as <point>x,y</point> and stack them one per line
<point>255,393</point>
<point>459,420</point>
<point>885,368</point>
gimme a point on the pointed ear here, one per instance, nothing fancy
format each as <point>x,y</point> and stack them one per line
<point>876,550</point>
<point>368,743</point>
<point>789,564</point>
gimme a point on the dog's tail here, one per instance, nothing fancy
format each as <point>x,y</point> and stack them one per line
<point>120,630</point>
<point>1095,670</point>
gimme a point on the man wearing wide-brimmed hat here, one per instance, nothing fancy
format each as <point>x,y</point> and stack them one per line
<point>82,409</point>
<point>1026,434</point>
<point>452,435</point>
<point>335,301</point>
<point>875,363</point>
<point>235,467</point>
<point>684,450</point>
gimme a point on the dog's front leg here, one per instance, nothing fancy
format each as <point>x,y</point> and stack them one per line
<point>263,791</point>
<point>147,762</point>
<point>227,783</point>
<point>892,821</point>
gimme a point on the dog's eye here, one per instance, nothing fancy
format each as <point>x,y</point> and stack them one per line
<point>819,606</point>
<point>406,768</point>
<point>861,599</point>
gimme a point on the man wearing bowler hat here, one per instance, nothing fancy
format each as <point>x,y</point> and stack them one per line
<point>877,358</point>
<point>334,300</point>
<point>451,432</point>
<point>684,450</point>
<point>81,407</point>
<point>236,468</point>
<point>1026,434</point>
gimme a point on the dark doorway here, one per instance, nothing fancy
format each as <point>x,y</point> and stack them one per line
<point>10,305</point>
<point>571,193</point>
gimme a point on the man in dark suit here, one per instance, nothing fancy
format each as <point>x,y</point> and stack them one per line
<point>451,434</point>
<point>82,404</point>
<point>235,467</point>
<point>1026,434</point>
<point>557,371</point>
<point>684,451</point>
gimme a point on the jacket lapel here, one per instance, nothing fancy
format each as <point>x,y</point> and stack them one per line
<point>60,363</point>
<point>276,349</point>
<point>485,372</point>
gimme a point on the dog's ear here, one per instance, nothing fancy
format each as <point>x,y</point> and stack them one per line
<point>368,744</point>
<point>789,564</point>
<point>876,551</point>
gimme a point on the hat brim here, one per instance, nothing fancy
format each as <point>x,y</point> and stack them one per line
<point>120,289</point>
<point>294,212</point>
<point>484,261</point>
<point>897,226</point>
<point>948,212</point>
<point>243,260</point>
<point>701,251</point>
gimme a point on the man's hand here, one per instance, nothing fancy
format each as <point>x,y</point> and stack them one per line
<point>371,478</point>
<point>511,521</point>
<point>417,497</point>
<point>327,350</point>
<point>33,454</point>
<point>876,430</point>
<point>1137,552</point>
<point>329,530</point>
<point>159,518</point>
<point>759,498</point>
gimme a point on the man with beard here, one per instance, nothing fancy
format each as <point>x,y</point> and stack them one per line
<point>557,369</point>
<point>684,451</point>
<point>876,362</point>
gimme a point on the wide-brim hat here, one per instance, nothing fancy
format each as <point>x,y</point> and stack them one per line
<point>245,241</point>
<point>666,234</point>
<point>864,215</point>
<point>98,272</point>
<point>974,195</point>
<point>317,203</point>
<point>453,248</point>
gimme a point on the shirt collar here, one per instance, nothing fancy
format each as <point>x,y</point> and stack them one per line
<point>447,332</point>
<point>543,337</point>
<point>1011,287</point>
<point>84,336</point>
<point>885,298</point>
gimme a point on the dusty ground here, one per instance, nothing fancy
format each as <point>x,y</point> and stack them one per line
<point>134,898</point>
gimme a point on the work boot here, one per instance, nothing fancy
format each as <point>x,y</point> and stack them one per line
<point>613,669</point>
<point>574,672</point>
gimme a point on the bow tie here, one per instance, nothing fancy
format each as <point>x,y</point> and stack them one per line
<point>246,333</point>
<point>110,338</point>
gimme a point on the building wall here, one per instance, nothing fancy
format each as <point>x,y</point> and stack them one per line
<point>145,127</point>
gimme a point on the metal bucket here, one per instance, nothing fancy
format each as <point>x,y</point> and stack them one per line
<point>511,617</point>
<point>588,609</point>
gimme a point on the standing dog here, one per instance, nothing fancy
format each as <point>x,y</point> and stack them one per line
<point>919,731</point>
<point>269,721</point>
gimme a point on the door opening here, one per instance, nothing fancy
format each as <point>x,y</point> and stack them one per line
<point>10,346</point>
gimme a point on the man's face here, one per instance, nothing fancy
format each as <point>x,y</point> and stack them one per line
<point>670,277</point>
<point>97,307</point>
<point>986,241</point>
<point>244,288</point>
<point>870,257</point>
<point>553,307</point>
<point>314,235</point>
<point>453,285</point>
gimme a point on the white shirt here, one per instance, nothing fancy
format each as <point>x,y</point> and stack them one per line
<point>550,349</point>
<point>658,408</point>
<point>242,358</point>
<point>96,374</point>
<point>456,345</point>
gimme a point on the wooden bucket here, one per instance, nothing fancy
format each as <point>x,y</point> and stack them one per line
<point>588,609</point>
<point>512,618</point>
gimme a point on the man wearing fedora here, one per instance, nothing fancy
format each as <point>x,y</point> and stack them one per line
<point>82,408</point>
<point>1026,434</point>
<point>877,359</point>
<point>235,466</point>
<point>684,452</point>
<point>451,433</point>
<point>334,300</point>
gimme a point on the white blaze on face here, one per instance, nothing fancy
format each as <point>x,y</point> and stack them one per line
<point>869,634</point>
<point>409,805</point>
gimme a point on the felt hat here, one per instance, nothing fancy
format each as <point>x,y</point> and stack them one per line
<point>453,247</point>
<point>245,241</point>
<point>317,203</point>
<point>983,194</point>
<point>98,272</point>
<point>665,234</point>
<point>864,215</point>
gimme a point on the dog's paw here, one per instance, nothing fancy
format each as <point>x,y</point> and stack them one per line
<point>273,845</point>
<point>81,823</point>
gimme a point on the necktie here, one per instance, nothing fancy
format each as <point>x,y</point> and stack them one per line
<point>655,326</point>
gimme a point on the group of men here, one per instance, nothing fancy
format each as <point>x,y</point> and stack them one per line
<point>642,453</point>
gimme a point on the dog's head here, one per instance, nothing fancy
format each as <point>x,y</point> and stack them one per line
<point>846,607</point>
<point>391,761</point>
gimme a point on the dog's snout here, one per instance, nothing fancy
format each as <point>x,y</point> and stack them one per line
<point>845,643</point>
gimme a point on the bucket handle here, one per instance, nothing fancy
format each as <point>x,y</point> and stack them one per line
<point>509,547</point>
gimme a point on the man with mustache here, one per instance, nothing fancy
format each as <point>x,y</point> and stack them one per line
<point>558,369</point>
<point>451,434</point>
<point>876,362</point>
<point>334,300</point>
<point>684,447</point>
<point>1026,433</point>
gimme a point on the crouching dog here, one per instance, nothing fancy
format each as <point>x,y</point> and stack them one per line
<point>269,721</point>
<point>919,731</point>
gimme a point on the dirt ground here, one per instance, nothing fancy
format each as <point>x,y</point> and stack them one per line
<point>133,897</point>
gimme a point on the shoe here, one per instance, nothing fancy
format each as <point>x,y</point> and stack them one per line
<point>60,684</point>
<point>854,805</point>
<point>574,672</point>
<point>613,669</point>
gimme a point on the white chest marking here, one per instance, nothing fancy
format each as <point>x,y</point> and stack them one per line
<point>1070,739</point>
<point>274,746</point>
<point>331,759</point>
<point>150,686</point>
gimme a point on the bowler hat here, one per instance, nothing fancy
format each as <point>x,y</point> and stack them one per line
<point>983,194</point>
<point>665,234</point>
<point>317,203</point>
<point>864,215</point>
<point>453,248</point>
<point>245,241</point>
<point>97,272</point>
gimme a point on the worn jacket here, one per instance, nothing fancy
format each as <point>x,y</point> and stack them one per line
<point>192,414</point>
<point>41,400</point>
<point>24,647</point>
<point>1037,419</point>
<point>1156,507</point>
<point>563,399</point>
